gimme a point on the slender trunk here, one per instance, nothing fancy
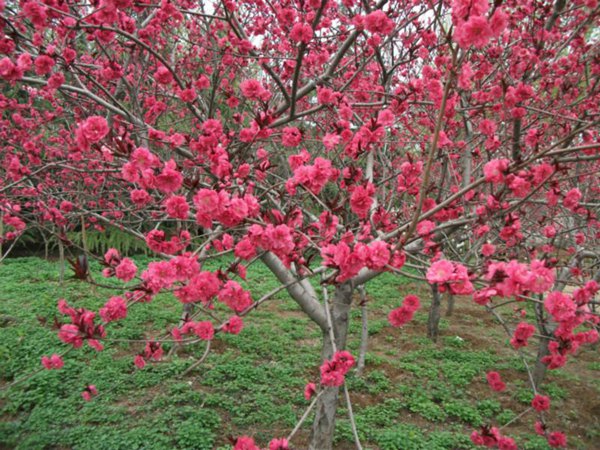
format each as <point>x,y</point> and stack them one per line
<point>61,254</point>
<point>364,335</point>
<point>84,237</point>
<point>46,245</point>
<point>324,423</point>
<point>433,324</point>
<point>451,301</point>
<point>545,329</point>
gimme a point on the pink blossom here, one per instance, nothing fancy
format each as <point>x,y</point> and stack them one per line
<point>522,333</point>
<point>245,443</point>
<point>89,392</point>
<point>69,334</point>
<point>440,271</point>
<point>245,249</point>
<point>92,130</point>
<point>163,75</point>
<point>495,170</point>
<point>462,9</point>
<point>301,32</point>
<point>53,362</point>
<point>557,439</point>
<point>139,361</point>
<point>541,403</point>
<point>333,372</point>
<point>361,200</point>
<point>488,249</point>
<point>203,287</point>
<point>379,22</point>
<point>252,89</point>
<point>291,137</point>
<point>234,296</point>
<point>234,325</point>
<point>9,70</point>
<point>309,390</point>
<point>571,200</point>
<point>279,444</point>
<point>560,306</point>
<point>114,309</point>
<point>379,255</point>
<point>498,22</point>
<point>204,330</point>
<point>43,64</point>
<point>208,205</point>
<point>476,32</point>
<point>126,270</point>
<point>177,207</point>
<point>169,180</point>
<point>425,227</point>
<point>495,382</point>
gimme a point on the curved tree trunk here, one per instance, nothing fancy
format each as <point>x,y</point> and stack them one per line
<point>321,437</point>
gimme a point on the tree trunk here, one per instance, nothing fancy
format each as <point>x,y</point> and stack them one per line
<point>451,301</point>
<point>364,335</point>
<point>321,437</point>
<point>545,329</point>
<point>433,324</point>
<point>61,254</point>
<point>540,369</point>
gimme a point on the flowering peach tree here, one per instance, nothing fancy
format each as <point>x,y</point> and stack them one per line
<point>328,140</point>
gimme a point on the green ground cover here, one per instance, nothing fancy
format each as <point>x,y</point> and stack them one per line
<point>413,395</point>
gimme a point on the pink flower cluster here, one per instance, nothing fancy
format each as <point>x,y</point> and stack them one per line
<point>114,309</point>
<point>495,170</point>
<point>495,381</point>
<point>450,275</point>
<point>89,392</point>
<point>247,443</point>
<point>204,330</point>
<point>278,239</point>
<point>123,268</point>
<point>333,372</point>
<point>514,278</point>
<point>219,205</point>
<point>202,287</point>
<point>491,438</point>
<point>522,334</point>
<point>361,199</point>
<point>350,261</point>
<point>254,90</point>
<point>153,350</point>
<point>472,27</point>
<point>234,325</point>
<point>379,22</point>
<point>301,32</point>
<point>555,439</point>
<point>92,130</point>
<point>313,177</point>
<point>53,362</point>
<point>404,313</point>
<point>157,242</point>
<point>540,403</point>
<point>570,313</point>
<point>234,296</point>
<point>81,328</point>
